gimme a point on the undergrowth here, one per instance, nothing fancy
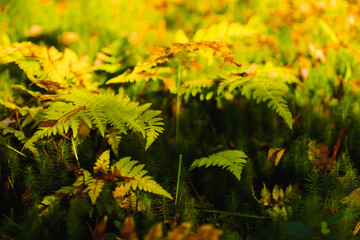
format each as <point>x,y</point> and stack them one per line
<point>179,119</point>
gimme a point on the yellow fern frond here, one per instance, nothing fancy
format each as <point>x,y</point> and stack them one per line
<point>102,164</point>
<point>94,189</point>
<point>46,66</point>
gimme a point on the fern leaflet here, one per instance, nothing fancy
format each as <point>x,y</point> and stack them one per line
<point>125,172</point>
<point>231,160</point>
<point>102,164</point>
<point>264,86</point>
<point>135,177</point>
<point>94,189</point>
<point>46,66</point>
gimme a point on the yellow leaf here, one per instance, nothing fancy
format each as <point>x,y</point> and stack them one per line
<point>181,37</point>
<point>127,199</point>
<point>206,232</point>
<point>119,192</point>
<point>179,232</point>
<point>128,229</point>
<point>276,154</point>
<point>357,228</point>
<point>154,233</point>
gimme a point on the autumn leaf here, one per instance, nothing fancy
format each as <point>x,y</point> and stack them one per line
<point>276,154</point>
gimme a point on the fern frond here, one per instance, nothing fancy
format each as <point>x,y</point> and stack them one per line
<point>265,86</point>
<point>18,134</point>
<point>31,67</point>
<point>203,88</point>
<point>128,175</point>
<point>135,76</point>
<point>103,162</point>
<point>113,139</point>
<point>153,126</point>
<point>22,110</point>
<point>266,90</point>
<point>154,69</point>
<point>46,66</point>
<point>97,110</point>
<point>135,177</point>
<point>24,89</point>
<point>231,160</point>
<point>83,178</point>
<point>94,189</point>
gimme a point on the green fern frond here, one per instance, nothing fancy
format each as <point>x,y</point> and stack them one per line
<point>18,134</point>
<point>22,110</point>
<point>203,88</point>
<point>24,89</point>
<point>31,67</point>
<point>113,139</point>
<point>125,171</point>
<point>153,126</point>
<point>265,90</point>
<point>231,160</point>
<point>263,87</point>
<point>154,67</point>
<point>103,162</point>
<point>83,178</point>
<point>94,189</point>
<point>98,110</point>
<point>135,178</point>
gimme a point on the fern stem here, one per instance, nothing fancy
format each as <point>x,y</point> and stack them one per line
<point>75,152</point>
<point>178,179</point>
<point>178,83</point>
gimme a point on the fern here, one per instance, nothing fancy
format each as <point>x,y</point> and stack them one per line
<point>135,177</point>
<point>268,84</point>
<point>264,86</point>
<point>102,164</point>
<point>46,66</point>
<point>4,130</point>
<point>94,189</point>
<point>154,67</point>
<point>153,126</point>
<point>18,134</point>
<point>98,110</point>
<point>113,139</point>
<point>22,110</point>
<point>231,160</point>
<point>124,172</point>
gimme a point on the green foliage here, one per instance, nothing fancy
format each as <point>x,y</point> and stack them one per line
<point>268,85</point>
<point>98,110</point>
<point>277,202</point>
<point>84,85</point>
<point>46,66</point>
<point>136,178</point>
<point>231,160</point>
<point>124,172</point>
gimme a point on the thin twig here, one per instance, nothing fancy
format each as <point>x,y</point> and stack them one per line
<point>338,141</point>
